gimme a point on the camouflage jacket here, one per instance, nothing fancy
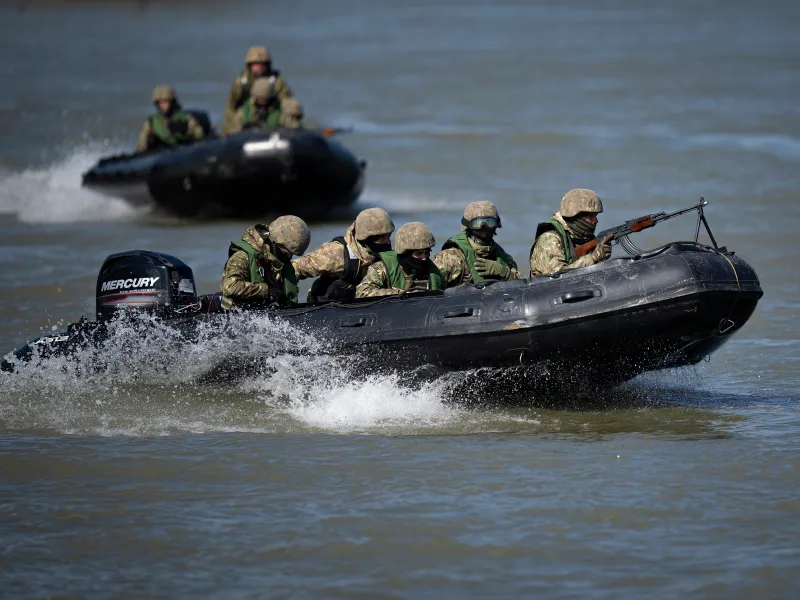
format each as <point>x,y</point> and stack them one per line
<point>237,285</point>
<point>147,138</point>
<point>328,259</point>
<point>290,122</point>
<point>240,93</point>
<point>377,283</point>
<point>454,268</point>
<point>246,115</point>
<point>548,254</point>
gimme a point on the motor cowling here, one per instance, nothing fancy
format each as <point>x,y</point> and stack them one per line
<point>141,280</point>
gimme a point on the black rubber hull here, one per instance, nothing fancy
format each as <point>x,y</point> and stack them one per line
<point>248,175</point>
<point>603,324</point>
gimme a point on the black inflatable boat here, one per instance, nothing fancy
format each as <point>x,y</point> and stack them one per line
<point>667,307</point>
<point>247,175</point>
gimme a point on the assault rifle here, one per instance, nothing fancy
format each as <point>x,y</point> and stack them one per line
<point>620,233</point>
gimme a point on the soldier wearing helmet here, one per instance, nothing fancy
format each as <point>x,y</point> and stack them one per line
<point>473,256</point>
<point>169,126</point>
<point>259,268</point>
<point>258,63</point>
<point>342,263</point>
<point>574,224</point>
<point>410,266</point>
<point>262,109</point>
<point>291,113</point>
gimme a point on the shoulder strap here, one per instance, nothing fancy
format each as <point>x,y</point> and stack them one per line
<point>351,263</point>
<point>256,272</point>
<point>461,242</point>
<point>161,130</point>
<point>396,277</point>
<point>566,241</point>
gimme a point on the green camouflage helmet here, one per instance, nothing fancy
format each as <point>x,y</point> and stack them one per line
<point>476,210</point>
<point>292,107</point>
<point>373,221</point>
<point>290,232</point>
<point>578,201</point>
<point>257,54</point>
<point>164,93</point>
<point>262,89</point>
<point>413,236</point>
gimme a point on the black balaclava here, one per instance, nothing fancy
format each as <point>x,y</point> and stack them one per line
<point>418,266</point>
<point>375,247</point>
<point>581,230</point>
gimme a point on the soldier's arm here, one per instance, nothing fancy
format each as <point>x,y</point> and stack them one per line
<point>144,137</point>
<point>236,124</point>
<point>550,257</point>
<point>234,97</point>
<point>194,129</point>
<point>452,265</point>
<point>282,89</point>
<point>236,282</point>
<point>376,283</point>
<point>328,260</point>
<point>513,272</point>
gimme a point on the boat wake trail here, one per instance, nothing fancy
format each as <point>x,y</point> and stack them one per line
<point>53,194</point>
<point>148,381</point>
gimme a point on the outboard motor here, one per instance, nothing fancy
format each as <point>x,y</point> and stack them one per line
<point>142,280</point>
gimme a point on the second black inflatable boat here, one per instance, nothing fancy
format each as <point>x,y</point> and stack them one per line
<point>252,174</point>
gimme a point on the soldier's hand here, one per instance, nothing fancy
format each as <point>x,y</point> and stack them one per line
<point>490,269</point>
<point>603,249</point>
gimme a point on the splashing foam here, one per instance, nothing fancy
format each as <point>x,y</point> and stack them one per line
<point>53,194</point>
<point>148,380</point>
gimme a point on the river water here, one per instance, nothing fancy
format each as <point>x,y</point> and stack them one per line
<point>303,481</point>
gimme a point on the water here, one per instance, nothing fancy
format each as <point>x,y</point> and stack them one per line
<point>304,481</point>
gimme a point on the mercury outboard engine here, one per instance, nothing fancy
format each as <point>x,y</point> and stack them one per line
<point>142,280</point>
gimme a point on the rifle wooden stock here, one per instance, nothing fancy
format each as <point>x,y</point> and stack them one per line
<point>584,249</point>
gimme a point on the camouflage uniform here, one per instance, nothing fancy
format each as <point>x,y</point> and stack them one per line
<point>328,259</point>
<point>291,114</point>
<point>240,90</point>
<point>236,284</point>
<point>289,234</point>
<point>454,268</point>
<point>548,254</point>
<point>159,131</point>
<point>378,282</point>
<point>251,113</point>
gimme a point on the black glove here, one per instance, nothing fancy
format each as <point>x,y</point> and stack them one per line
<point>341,290</point>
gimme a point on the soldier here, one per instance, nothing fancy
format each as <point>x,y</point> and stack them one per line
<point>291,114</point>
<point>342,263</point>
<point>473,256</point>
<point>258,63</point>
<point>259,268</point>
<point>409,267</point>
<point>261,109</point>
<point>553,249</point>
<point>170,126</point>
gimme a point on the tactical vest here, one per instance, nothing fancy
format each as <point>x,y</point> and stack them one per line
<point>461,242</point>
<point>397,278</point>
<point>245,84</point>
<point>319,290</point>
<point>566,240</point>
<point>257,273</point>
<point>171,131</point>
<point>248,117</point>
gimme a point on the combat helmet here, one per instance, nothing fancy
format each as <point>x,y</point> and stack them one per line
<point>290,232</point>
<point>257,54</point>
<point>164,93</point>
<point>371,222</point>
<point>262,89</point>
<point>578,201</point>
<point>413,236</point>
<point>292,107</point>
<point>480,215</point>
